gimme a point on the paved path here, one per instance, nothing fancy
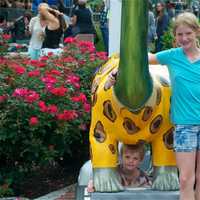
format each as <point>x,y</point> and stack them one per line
<point>67,193</point>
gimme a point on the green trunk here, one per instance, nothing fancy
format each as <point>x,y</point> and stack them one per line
<point>134,84</point>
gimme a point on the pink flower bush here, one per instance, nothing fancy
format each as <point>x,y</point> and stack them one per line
<point>45,104</point>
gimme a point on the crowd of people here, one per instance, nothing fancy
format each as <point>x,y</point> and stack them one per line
<point>45,31</point>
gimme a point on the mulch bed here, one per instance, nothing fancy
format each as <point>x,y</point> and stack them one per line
<point>47,180</point>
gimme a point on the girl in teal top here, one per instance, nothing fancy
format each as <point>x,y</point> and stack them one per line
<point>184,68</point>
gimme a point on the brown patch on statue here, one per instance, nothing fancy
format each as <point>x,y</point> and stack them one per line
<point>99,132</point>
<point>159,96</point>
<point>91,157</point>
<point>130,126</point>
<point>156,124</point>
<point>164,82</point>
<point>94,99</point>
<point>108,111</point>
<point>147,113</point>
<point>95,85</point>
<point>104,68</point>
<point>168,138</point>
<point>112,148</point>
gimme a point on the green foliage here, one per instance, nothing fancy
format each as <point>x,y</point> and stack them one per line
<point>168,38</point>
<point>45,109</point>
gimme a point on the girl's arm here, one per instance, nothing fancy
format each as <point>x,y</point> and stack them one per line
<point>152,59</point>
<point>46,12</point>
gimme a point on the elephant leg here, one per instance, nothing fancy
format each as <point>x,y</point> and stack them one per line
<point>165,171</point>
<point>104,155</point>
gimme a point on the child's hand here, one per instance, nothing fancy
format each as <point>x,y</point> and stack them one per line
<point>90,187</point>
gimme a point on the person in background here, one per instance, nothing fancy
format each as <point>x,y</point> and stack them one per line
<point>82,20</point>
<point>20,31</point>
<point>183,64</point>
<point>54,30</point>
<point>37,27</point>
<point>170,10</point>
<point>130,158</point>
<point>151,36</point>
<point>104,25</point>
<point>162,23</point>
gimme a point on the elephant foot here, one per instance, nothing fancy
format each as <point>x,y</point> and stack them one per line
<point>106,180</point>
<point>166,178</point>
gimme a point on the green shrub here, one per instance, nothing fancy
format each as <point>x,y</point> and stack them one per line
<point>45,110</point>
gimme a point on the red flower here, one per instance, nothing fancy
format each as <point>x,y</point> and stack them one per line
<point>33,121</point>
<point>20,92</point>
<point>67,115</point>
<point>81,98</point>
<point>19,70</point>
<point>86,107</point>
<point>32,96</point>
<point>52,109</point>
<point>34,73</point>
<point>60,91</point>
<point>3,98</point>
<point>42,106</point>
<point>6,36</point>
<point>49,79</point>
<point>69,40</point>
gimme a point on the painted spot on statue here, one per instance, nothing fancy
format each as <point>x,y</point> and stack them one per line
<point>105,68</point>
<point>112,148</point>
<point>156,124</point>
<point>108,111</point>
<point>99,132</point>
<point>94,99</point>
<point>164,82</point>
<point>147,113</point>
<point>91,155</point>
<point>159,95</point>
<point>95,85</point>
<point>168,138</point>
<point>130,126</point>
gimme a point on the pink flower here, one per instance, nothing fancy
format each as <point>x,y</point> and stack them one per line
<point>34,73</point>
<point>42,106</point>
<point>18,69</point>
<point>67,115</point>
<point>20,92</point>
<point>69,40</point>
<point>32,96</point>
<point>81,98</point>
<point>6,36</point>
<point>60,91</point>
<point>3,98</point>
<point>33,121</point>
<point>86,107</point>
<point>52,109</point>
<point>49,79</point>
<point>69,59</point>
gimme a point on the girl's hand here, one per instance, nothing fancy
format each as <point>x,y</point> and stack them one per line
<point>90,186</point>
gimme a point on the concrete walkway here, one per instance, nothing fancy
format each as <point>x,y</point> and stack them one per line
<point>67,193</point>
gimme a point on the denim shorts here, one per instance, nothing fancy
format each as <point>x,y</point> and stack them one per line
<point>187,138</point>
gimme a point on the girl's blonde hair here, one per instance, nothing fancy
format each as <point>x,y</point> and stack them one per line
<point>188,19</point>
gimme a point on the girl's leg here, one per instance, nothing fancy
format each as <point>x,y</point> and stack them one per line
<point>197,188</point>
<point>186,166</point>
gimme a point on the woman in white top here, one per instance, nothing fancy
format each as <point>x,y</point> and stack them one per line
<point>37,27</point>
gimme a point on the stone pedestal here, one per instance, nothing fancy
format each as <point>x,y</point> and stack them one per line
<point>137,194</point>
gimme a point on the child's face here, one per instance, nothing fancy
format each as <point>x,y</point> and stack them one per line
<point>130,159</point>
<point>186,37</point>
